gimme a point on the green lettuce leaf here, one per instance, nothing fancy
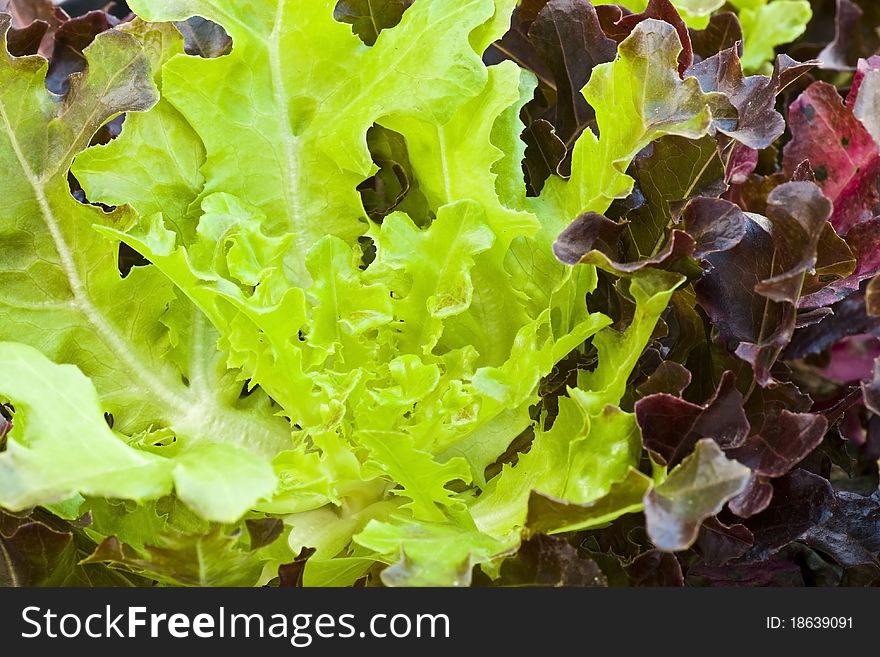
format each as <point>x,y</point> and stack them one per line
<point>767,24</point>
<point>60,406</point>
<point>295,146</point>
<point>148,356</point>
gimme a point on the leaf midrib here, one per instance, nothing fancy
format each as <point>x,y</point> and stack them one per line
<point>81,302</point>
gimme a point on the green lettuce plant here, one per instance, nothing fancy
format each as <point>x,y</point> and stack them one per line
<point>284,362</point>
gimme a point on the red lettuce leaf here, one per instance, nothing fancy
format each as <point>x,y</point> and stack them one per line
<point>671,426</point>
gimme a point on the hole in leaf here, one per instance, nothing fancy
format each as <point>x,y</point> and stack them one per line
<point>394,186</point>
<point>204,38</point>
<point>6,411</point>
<point>369,17</point>
<point>79,194</point>
<point>368,250</point>
<point>128,259</point>
<point>564,375</point>
<point>520,445</point>
<point>165,442</point>
<point>291,574</point>
<point>109,131</point>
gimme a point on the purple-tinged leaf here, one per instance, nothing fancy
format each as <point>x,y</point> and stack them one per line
<point>27,40</point>
<point>26,12</point>
<point>781,445</point>
<point>851,535</point>
<point>803,172</point>
<point>722,32</point>
<point>776,571</point>
<point>843,53</point>
<point>41,550</point>
<point>669,378</point>
<point>516,47</point>
<point>754,499</point>
<point>672,426</point>
<point>751,194</point>
<point>30,552</point>
<point>727,295</point>
<point>550,562</point>
<point>290,575</point>
<point>845,263</point>
<point>655,568</point>
<point>567,36</point>
<point>561,41</point>
<point>752,290</point>
<point>715,224</point>
<point>589,232</point>
<point>204,38</point>
<point>756,123</point>
<point>750,119</point>
<point>367,17</point>
<point>71,38</point>
<point>798,213</point>
<point>592,239</point>
<point>668,173</point>
<point>718,543</point>
<point>811,317</point>
<point>544,153</point>
<point>801,501</point>
<point>263,531</point>
<point>618,23</point>
<point>787,71</point>
<point>740,164</point>
<point>695,490</point>
<point>849,318</point>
